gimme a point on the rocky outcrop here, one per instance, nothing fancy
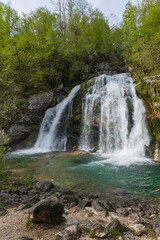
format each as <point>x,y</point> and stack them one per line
<point>22,133</point>
<point>148,89</point>
<point>157,152</point>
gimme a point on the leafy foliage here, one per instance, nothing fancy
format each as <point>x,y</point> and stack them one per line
<point>141,36</point>
<point>43,49</point>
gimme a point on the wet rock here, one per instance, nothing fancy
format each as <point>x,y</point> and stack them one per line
<point>155,224</point>
<point>70,200</point>
<point>98,231</point>
<point>72,232</point>
<point>49,210</point>
<point>44,186</point>
<point>72,143</point>
<point>93,196</point>
<point>98,209</point>
<point>138,228</point>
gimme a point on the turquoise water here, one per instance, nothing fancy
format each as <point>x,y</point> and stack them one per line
<point>91,173</point>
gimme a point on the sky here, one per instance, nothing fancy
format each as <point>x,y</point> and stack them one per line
<point>108,7</point>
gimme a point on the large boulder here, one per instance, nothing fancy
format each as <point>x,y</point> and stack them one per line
<point>48,210</point>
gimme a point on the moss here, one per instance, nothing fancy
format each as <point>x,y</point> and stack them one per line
<point>151,232</point>
<point>29,224</point>
<point>87,230</point>
<point>77,118</point>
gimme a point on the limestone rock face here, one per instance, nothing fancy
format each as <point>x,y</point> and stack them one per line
<point>24,130</point>
<point>49,210</point>
<point>43,100</point>
<point>18,131</point>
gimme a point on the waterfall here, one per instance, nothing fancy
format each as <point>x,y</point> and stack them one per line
<point>52,134</point>
<point>113,117</point>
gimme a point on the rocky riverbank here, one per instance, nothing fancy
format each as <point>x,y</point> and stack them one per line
<point>41,211</point>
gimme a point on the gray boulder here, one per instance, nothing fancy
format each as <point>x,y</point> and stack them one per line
<point>44,186</point>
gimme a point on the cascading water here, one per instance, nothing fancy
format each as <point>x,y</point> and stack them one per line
<point>113,117</point>
<point>52,135</point>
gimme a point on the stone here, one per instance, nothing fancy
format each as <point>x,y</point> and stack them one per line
<point>48,210</point>
<point>40,101</point>
<point>71,221</point>
<point>134,217</point>
<point>44,186</point>
<point>114,215</point>
<point>138,228</point>
<point>72,232</point>
<point>116,225</point>
<point>18,132</point>
<point>157,153</point>
<point>122,211</point>
<point>98,209</point>
<point>155,224</point>
<point>69,200</point>
<point>129,236</point>
<point>72,143</point>
<point>98,231</point>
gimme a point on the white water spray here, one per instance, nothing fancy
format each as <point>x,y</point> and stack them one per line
<point>52,135</point>
<point>113,118</point>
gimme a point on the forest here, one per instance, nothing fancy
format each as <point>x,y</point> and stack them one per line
<point>40,50</point>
